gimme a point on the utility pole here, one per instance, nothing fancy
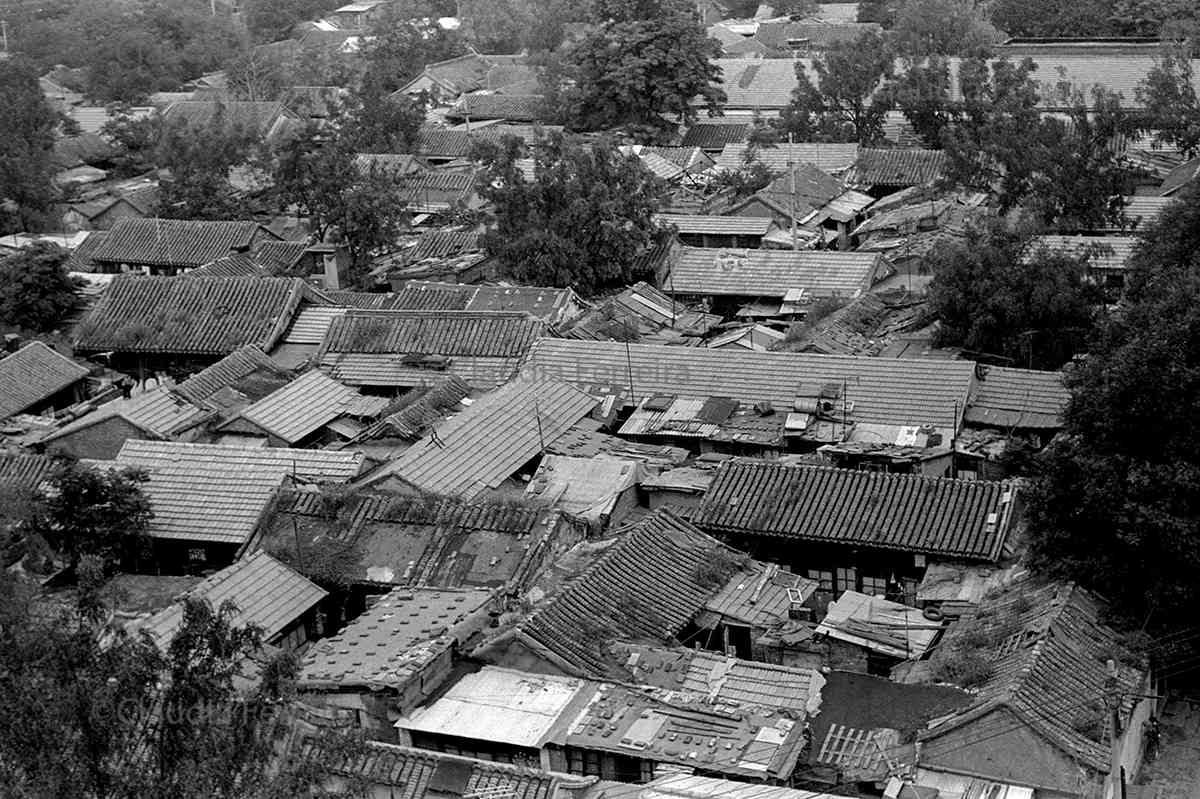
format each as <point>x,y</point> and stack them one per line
<point>4,33</point>
<point>792,193</point>
<point>1112,708</point>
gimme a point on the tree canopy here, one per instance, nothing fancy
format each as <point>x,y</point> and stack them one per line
<point>641,69</point>
<point>1116,503</point>
<point>1082,18</point>
<point>27,129</point>
<point>581,222</point>
<point>398,46</point>
<point>36,293</point>
<point>851,95</point>
<point>1000,298</point>
<point>200,157</point>
<point>1172,107</point>
<point>943,27</point>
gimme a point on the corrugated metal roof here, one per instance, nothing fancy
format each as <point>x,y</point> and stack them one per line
<point>716,225</point>
<point>772,273</point>
<point>481,446</point>
<point>827,157</point>
<point>394,640</point>
<point>267,594</point>
<point>1018,398</point>
<point>302,407</point>
<point>189,315</point>
<point>966,519</point>
<point>34,373</point>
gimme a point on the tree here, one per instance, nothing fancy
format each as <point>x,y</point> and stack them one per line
<point>199,158</point>
<point>26,138</point>
<point>255,76</point>
<point>1116,501</point>
<point>943,27</point>
<point>398,46</point>
<point>94,711</point>
<point>36,293</point>
<point>851,95</point>
<point>798,9</point>
<point>136,137</point>
<point>376,123</point>
<point>922,92</point>
<point>581,221</point>
<point>88,512</point>
<point>497,26</point>
<point>996,296</point>
<point>1172,107</point>
<point>1054,17</point>
<point>272,20</point>
<point>637,72</point>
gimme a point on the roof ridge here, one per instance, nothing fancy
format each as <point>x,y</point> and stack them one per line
<point>851,474</point>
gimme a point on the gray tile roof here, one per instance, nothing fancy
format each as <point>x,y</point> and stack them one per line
<point>32,374</point>
<point>827,157</point>
<point>481,446</point>
<point>174,242</point>
<point>715,134</point>
<point>964,519</point>
<point>23,471</point>
<point>235,366</point>
<point>310,465</point>
<point>759,83</point>
<point>394,640</point>
<point>267,594</point>
<point>1018,398</point>
<point>772,273</point>
<point>886,391</point>
<point>307,404</point>
<point>899,167</point>
<point>1102,252</point>
<point>716,225</point>
<point>158,413</point>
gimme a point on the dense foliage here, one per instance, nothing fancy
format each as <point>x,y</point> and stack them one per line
<point>27,129</point>
<point>1083,18</point>
<point>36,293</point>
<point>943,27</point>
<point>641,69</point>
<point>850,97</point>
<point>581,222</point>
<point>1117,502</point>
<point>1000,299</point>
<point>1172,106</point>
<point>200,158</point>
<point>398,46</point>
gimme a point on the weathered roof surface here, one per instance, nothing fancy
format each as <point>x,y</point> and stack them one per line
<point>1180,176</point>
<point>445,244</point>
<point>34,373</point>
<point>394,640</point>
<point>879,625</point>
<point>716,225</point>
<point>312,323</point>
<point>20,471</point>
<point>709,134</point>
<point>939,516</point>
<point>418,773</point>
<point>760,594</point>
<point>896,167</point>
<point>316,465</point>
<point>516,107</point>
<point>173,242</point>
<point>503,705</point>
<point>305,405</point>
<point>690,786</point>
<point>865,326</point>
<point>713,677</point>
<point>887,391</point>
<point>1018,398</point>
<point>1143,211</point>
<point>1048,649</point>
<point>279,256</point>
<point>235,366</point>
<point>240,264</point>
<point>763,83</point>
<point>772,273</point>
<point>647,586</point>
<point>779,36</point>
<point>158,412</point>
<point>827,157</point>
<point>584,487</point>
<point>1102,252</point>
<point>190,315</point>
<point>267,594</point>
<point>481,446</point>
<point>417,417</point>
<point>252,117</point>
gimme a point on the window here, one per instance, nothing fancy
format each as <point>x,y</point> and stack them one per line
<point>824,579</point>
<point>874,586</point>
<point>199,555</point>
<point>847,579</point>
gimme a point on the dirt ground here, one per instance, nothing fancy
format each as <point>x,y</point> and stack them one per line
<point>1175,773</point>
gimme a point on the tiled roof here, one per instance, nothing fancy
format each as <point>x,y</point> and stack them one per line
<point>253,117</point>
<point>34,373</point>
<point>777,35</point>
<point>312,324</point>
<point>538,302</point>
<point>1180,176</point>
<point>517,107</point>
<point>315,465</point>
<point>409,347</point>
<point>267,594</point>
<point>235,366</point>
<point>1048,649</point>
<point>865,326</point>
<point>304,406</point>
<point>645,587</point>
<point>896,167</point>
<point>1102,252</point>
<point>1018,398</point>
<point>828,157</point>
<point>394,640</point>
<point>408,540</point>
<point>445,244</point>
<point>23,471</point>
<point>716,225</point>
<point>190,315</point>
<point>421,773</point>
<point>431,296</point>
<point>414,420</point>
<point>762,83</point>
<point>456,143</point>
<point>1141,211</point>
<point>158,413</point>
<point>481,446</point>
<point>940,516</point>
<point>714,135</point>
<point>240,264</point>
<point>433,190</point>
<point>886,391</point>
<point>772,273</point>
<point>173,242</point>
<point>279,256</point>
